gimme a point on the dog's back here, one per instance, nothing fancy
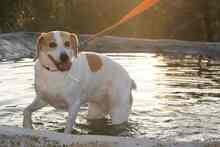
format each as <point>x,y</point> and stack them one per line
<point>108,88</point>
<point>106,70</point>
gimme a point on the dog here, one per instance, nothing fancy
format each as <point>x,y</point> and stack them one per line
<point>66,78</point>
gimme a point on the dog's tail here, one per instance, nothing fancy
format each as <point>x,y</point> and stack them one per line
<point>133,87</point>
<point>133,84</point>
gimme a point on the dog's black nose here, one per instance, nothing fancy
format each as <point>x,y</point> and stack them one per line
<point>64,57</point>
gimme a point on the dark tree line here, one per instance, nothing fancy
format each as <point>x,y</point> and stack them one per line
<point>175,19</point>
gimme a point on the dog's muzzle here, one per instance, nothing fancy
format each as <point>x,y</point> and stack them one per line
<point>64,57</point>
<point>64,64</point>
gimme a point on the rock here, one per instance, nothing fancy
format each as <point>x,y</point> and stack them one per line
<point>19,137</point>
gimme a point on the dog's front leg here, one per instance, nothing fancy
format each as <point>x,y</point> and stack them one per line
<point>72,112</point>
<point>38,103</point>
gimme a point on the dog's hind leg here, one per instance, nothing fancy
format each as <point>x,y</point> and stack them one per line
<point>120,110</point>
<point>96,111</point>
<point>119,114</point>
<point>35,105</point>
<point>120,102</point>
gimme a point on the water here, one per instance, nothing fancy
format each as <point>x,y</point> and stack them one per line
<point>176,98</point>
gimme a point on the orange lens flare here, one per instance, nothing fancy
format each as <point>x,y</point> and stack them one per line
<point>146,4</point>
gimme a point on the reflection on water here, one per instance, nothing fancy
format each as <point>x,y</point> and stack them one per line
<point>176,98</point>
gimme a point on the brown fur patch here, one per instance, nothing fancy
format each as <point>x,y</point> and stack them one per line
<point>65,36</point>
<point>94,62</point>
<point>46,38</point>
<point>72,38</point>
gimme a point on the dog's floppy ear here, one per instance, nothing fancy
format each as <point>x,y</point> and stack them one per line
<point>74,43</point>
<point>38,46</point>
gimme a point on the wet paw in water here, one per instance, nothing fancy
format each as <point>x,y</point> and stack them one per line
<point>103,127</point>
<point>99,127</point>
<point>61,130</point>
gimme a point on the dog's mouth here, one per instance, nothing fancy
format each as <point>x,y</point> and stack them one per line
<point>64,66</point>
<point>61,66</point>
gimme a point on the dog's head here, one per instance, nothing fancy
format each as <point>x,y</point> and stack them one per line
<point>57,49</point>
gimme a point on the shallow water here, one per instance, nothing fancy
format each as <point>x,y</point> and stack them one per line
<point>176,98</point>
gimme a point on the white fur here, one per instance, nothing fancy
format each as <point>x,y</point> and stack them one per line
<point>107,91</point>
<point>57,38</point>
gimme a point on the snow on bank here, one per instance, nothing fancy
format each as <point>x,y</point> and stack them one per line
<point>17,45</point>
<point>22,44</point>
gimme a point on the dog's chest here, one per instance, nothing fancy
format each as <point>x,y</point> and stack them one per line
<point>55,89</point>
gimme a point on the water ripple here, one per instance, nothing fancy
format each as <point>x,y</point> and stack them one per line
<point>176,97</point>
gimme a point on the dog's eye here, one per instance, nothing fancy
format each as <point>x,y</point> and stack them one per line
<point>52,45</point>
<point>67,44</point>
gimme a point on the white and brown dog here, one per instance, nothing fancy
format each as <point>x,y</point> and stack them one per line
<point>66,79</point>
